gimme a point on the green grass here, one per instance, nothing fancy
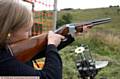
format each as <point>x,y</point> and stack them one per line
<point>103,41</point>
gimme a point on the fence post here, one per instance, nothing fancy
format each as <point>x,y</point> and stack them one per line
<point>55,15</point>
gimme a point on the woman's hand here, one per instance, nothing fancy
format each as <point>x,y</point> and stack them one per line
<point>54,38</point>
<point>85,29</point>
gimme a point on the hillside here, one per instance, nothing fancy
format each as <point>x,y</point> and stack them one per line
<point>103,41</point>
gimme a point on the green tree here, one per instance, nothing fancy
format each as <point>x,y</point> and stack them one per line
<point>64,19</point>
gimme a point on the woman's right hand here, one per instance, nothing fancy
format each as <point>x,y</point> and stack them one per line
<point>54,39</point>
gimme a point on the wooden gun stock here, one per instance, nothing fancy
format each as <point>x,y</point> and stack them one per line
<point>25,50</point>
<point>28,48</point>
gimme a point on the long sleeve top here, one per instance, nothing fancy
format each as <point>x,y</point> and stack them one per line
<point>10,66</point>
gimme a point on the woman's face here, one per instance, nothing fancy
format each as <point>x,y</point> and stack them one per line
<point>22,33</point>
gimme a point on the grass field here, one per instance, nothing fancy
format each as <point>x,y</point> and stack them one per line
<point>103,41</point>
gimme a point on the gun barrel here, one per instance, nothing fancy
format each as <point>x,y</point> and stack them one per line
<point>100,21</point>
<point>93,22</point>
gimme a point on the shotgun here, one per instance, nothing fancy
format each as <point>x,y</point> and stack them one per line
<point>26,50</point>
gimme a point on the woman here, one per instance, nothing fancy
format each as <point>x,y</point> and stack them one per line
<point>15,23</point>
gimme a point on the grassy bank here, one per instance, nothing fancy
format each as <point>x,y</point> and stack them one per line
<point>103,41</point>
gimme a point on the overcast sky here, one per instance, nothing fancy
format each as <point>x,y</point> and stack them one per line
<point>82,4</point>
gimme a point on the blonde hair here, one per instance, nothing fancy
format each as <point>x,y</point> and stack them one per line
<point>13,16</point>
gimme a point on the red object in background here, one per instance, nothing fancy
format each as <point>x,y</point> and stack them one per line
<point>43,3</point>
